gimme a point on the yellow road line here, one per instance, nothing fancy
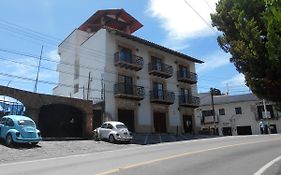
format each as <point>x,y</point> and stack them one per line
<point>177,156</point>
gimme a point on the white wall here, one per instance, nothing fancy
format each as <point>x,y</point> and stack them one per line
<point>69,50</point>
<point>231,119</point>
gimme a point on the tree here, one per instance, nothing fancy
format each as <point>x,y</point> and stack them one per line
<point>251,33</point>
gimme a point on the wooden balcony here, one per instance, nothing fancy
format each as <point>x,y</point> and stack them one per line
<point>162,97</point>
<point>160,70</point>
<point>189,101</point>
<point>122,90</point>
<point>187,77</point>
<point>131,62</point>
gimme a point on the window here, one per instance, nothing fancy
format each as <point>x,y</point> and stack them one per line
<point>156,63</point>
<point>76,88</point>
<point>158,90</point>
<point>126,54</point>
<point>3,121</point>
<point>269,109</point>
<point>184,95</point>
<point>125,79</point>
<point>125,84</point>
<point>238,110</point>
<point>104,125</point>
<point>221,112</point>
<point>26,123</point>
<point>183,71</point>
<point>207,113</point>
<point>10,122</point>
<point>109,126</point>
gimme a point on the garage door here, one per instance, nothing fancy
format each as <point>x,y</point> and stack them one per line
<point>244,130</point>
<point>127,117</point>
<point>227,131</point>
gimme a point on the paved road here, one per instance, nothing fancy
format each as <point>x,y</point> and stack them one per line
<point>228,155</point>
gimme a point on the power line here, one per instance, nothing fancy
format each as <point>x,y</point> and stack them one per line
<point>198,14</point>
<point>206,1</point>
<point>38,36</point>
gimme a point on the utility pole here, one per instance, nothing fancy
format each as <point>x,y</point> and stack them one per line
<point>265,114</point>
<point>213,107</point>
<point>4,104</point>
<point>38,70</point>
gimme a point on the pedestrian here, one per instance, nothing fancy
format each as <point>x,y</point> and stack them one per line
<point>262,126</point>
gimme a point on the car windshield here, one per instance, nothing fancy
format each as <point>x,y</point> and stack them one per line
<point>120,126</point>
<point>26,123</point>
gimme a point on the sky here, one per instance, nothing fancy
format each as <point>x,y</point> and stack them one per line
<point>183,25</point>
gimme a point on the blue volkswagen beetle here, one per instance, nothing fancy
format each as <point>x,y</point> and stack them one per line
<point>19,129</point>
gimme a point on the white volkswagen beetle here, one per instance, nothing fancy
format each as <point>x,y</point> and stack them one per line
<point>113,131</point>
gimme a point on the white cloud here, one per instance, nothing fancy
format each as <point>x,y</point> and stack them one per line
<point>180,20</point>
<point>236,80</point>
<point>53,55</point>
<point>213,61</point>
<point>25,68</point>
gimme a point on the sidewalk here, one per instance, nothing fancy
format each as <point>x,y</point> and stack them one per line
<point>146,139</point>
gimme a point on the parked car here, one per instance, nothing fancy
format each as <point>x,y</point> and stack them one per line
<point>19,129</point>
<point>113,131</point>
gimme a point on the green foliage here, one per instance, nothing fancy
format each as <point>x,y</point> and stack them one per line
<point>251,33</point>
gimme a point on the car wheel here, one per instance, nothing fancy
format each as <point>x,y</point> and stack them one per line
<point>34,143</point>
<point>111,139</point>
<point>9,140</point>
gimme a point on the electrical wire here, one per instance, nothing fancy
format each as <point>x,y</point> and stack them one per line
<point>198,14</point>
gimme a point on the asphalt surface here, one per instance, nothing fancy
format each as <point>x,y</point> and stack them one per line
<point>227,155</point>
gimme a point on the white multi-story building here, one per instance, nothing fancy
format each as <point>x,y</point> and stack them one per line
<point>236,115</point>
<point>149,87</point>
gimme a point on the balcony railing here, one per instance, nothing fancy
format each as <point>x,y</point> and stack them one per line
<point>189,101</point>
<point>122,90</point>
<point>161,70</point>
<point>131,62</point>
<point>210,120</point>
<point>162,96</point>
<point>187,77</point>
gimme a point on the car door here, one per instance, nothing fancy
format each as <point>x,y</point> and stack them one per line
<point>8,124</point>
<point>2,125</point>
<point>108,130</point>
<point>105,130</point>
<point>102,130</point>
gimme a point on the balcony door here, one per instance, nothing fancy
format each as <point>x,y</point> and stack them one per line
<point>158,90</point>
<point>183,71</point>
<point>126,55</point>
<point>125,84</point>
<point>156,63</point>
<point>184,95</point>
